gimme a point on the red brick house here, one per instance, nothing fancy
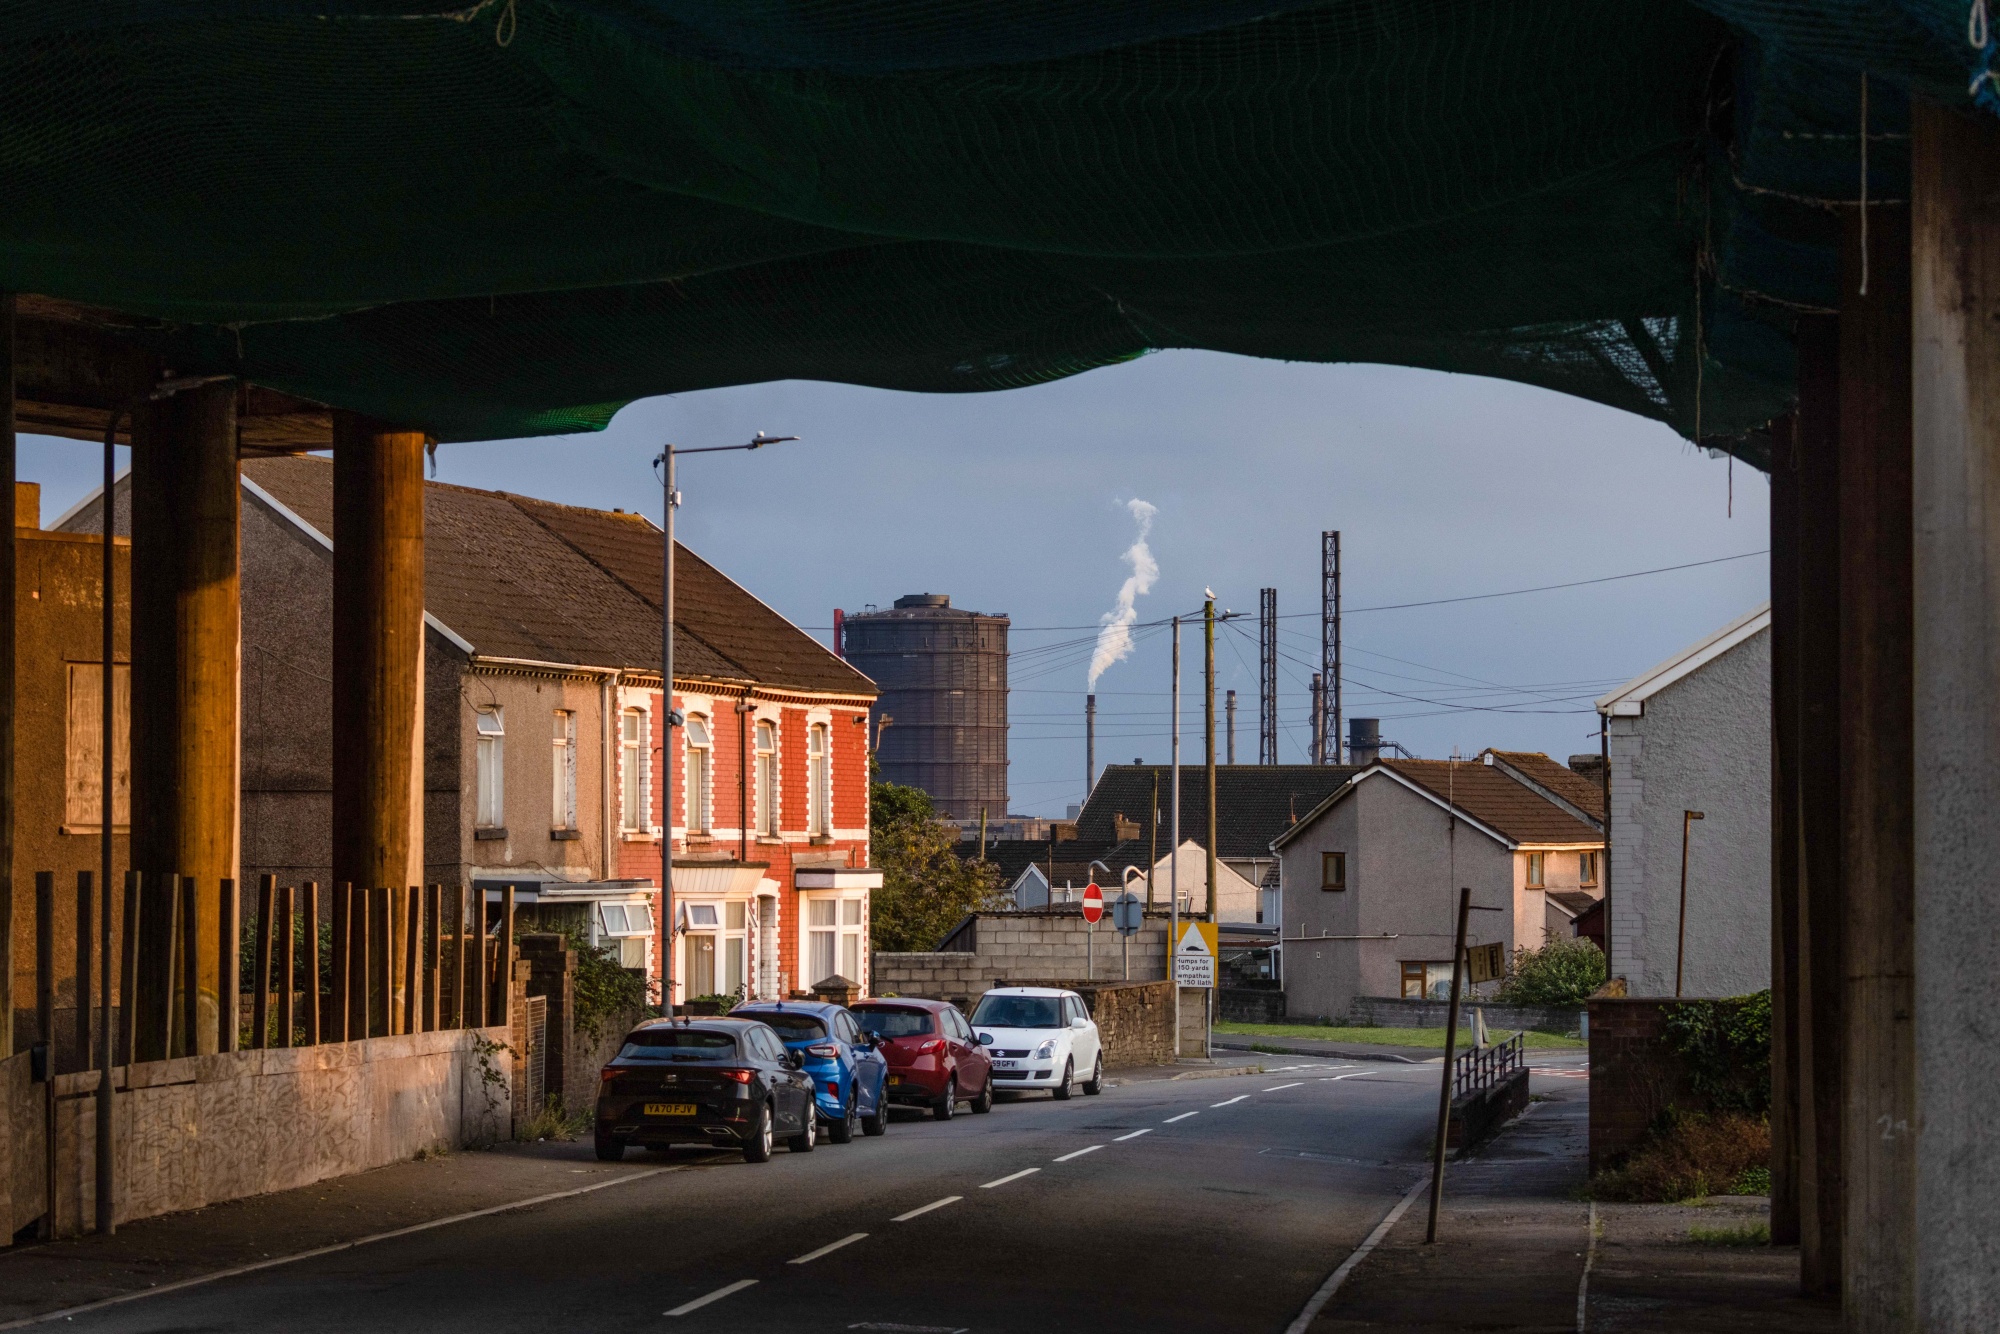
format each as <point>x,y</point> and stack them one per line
<point>542,751</point>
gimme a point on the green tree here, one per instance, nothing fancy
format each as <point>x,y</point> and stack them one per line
<point>926,886</point>
<point>1562,972</point>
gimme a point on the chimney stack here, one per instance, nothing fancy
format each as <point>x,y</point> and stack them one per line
<point>1364,740</point>
<point>1089,744</point>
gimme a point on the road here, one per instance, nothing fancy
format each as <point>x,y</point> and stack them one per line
<point>1190,1204</point>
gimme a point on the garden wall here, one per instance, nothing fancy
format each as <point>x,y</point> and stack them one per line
<point>1394,1012</point>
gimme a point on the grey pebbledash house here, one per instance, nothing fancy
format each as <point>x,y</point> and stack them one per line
<point>1369,878</point>
<point>1693,734</point>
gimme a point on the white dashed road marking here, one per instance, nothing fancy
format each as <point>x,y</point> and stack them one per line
<point>828,1249</point>
<point>1079,1153</point>
<point>1024,1172</point>
<point>1231,1102</point>
<point>1134,1135</point>
<point>685,1307</point>
<point>934,1204</point>
<point>1182,1117</point>
<point>1275,1087</point>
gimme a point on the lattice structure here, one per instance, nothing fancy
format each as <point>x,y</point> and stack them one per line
<point>1267,671</point>
<point>1328,715</point>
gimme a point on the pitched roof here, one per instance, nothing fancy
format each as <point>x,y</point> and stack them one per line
<point>528,579</point>
<point>1495,800</point>
<point>1585,794</point>
<point>1629,700</point>
<point>1254,803</point>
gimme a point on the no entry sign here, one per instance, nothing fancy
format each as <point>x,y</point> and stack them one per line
<point>1093,903</point>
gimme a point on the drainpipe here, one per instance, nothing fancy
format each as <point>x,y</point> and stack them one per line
<point>743,708</point>
<point>607,697</point>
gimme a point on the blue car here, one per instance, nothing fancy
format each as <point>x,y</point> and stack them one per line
<point>850,1075</point>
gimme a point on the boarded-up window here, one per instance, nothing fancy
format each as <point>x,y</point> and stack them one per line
<point>84,754</point>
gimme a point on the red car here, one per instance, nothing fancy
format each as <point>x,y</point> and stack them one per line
<point>934,1058</point>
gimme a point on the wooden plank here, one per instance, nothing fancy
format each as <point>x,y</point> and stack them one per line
<point>433,940</point>
<point>309,912</point>
<point>128,972</point>
<point>86,932</point>
<point>228,956</point>
<point>260,964</point>
<point>287,946</point>
<point>336,1001</point>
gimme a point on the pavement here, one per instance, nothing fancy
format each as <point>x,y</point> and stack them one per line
<point>1208,1196</point>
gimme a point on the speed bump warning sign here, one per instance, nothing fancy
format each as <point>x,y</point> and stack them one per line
<point>1194,955</point>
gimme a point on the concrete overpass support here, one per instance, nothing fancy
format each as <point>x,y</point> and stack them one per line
<point>186,682</point>
<point>1955,189</point>
<point>378,680</point>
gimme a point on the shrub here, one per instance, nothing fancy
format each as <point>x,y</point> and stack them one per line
<point>1562,972</point>
<point>1693,1157</point>
<point>1724,1048</point>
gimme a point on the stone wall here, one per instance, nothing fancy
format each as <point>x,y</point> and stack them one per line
<point>1631,1082</point>
<point>1059,946</point>
<point>1394,1012</point>
<point>200,1130</point>
<point>1135,1020</point>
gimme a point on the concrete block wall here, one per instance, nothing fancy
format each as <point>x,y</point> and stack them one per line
<point>1057,947</point>
<point>1394,1012</point>
<point>1251,1005</point>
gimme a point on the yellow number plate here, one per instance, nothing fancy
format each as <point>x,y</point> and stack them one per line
<point>670,1109</point>
<point>895,1079</point>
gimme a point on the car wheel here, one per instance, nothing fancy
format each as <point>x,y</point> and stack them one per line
<point>842,1131</point>
<point>984,1102</point>
<point>757,1148</point>
<point>1068,1085</point>
<point>946,1107</point>
<point>877,1124</point>
<point>803,1141</point>
<point>610,1148</point>
<point>1095,1084</point>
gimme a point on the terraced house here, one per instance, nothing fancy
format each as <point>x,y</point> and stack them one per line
<point>544,753</point>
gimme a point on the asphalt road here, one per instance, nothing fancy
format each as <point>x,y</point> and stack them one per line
<point>1162,1205</point>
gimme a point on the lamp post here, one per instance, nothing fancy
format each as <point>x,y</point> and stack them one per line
<point>671,719</point>
<point>1680,946</point>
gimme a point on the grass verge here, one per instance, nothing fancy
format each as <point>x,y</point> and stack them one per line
<point>1750,1234</point>
<point>1392,1037</point>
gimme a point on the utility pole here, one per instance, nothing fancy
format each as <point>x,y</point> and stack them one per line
<point>1229,712</point>
<point>1267,670</point>
<point>1208,713</point>
<point>1680,946</point>
<point>1329,647</point>
<point>1174,838</point>
<point>670,719</point>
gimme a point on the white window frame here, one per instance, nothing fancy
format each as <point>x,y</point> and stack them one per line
<point>768,814</point>
<point>846,937</point>
<point>626,927</point>
<point>819,780</point>
<point>562,814</point>
<point>83,758</point>
<point>635,778</point>
<point>699,768</point>
<point>490,767</point>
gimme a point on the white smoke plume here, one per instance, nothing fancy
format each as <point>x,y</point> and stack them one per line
<point>1114,641</point>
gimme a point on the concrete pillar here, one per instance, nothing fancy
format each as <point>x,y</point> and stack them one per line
<point>1955,195</point>
<point>1820,982</point>
<point>378,685</point>
<point>1786,881</point>
<point>186,683</point>
<point>1876,776</point>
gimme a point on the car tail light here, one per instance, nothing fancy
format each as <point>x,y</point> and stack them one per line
<point>740,1076</point>
<point>609,1074</point>
<point>833,1088</point>
<point>822,1049</point>
<point>929,1045</point>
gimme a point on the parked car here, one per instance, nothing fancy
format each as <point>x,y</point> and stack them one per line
<point>849,1076</point>
<point>706,1081</point>
<point>1039,1038</point>
<point>934,1057</point>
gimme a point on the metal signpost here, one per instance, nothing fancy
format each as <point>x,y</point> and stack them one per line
<point>1128,914</point>
<point>1485,963</point>
<point>1093,911</point>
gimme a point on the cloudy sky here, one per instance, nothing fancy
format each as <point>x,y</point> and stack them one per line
<point>1443,486</point>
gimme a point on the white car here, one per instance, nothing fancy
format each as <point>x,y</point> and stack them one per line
<point>1039,1038</point>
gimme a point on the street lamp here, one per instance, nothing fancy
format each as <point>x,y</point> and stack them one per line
<point>664,463</point>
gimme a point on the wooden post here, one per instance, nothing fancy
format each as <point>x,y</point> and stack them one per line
<point>378,645</point>
<point>1785,878</point>
<point>433,908</point>
<point>1450,1067</point>
<point>1878,1273</point>
<point>476,965</point>
<point>358,947</point>
<point>85,943</point>
<point>188,954</point>
<point>107,1158</point>
<point>336,1001</point>
<point>506,1006</point>
<point>309,911</point>
<point>159,965</point>
<point>288,955</point>
<point>186,677</point>
<point>1955,201</point>
<point>45,1038</point>
<point>260,956</point>
<point>413,936</point>
<point>228,956</point>
<point>1821,984</point>
<point>455,998</point>
<point>128,970</point>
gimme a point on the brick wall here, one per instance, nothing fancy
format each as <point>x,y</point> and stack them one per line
<point>1632,1079</point>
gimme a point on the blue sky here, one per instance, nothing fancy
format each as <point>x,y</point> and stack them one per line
<point>1442,485</point>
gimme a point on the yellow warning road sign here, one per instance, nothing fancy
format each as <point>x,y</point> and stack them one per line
<point>1195,954</point>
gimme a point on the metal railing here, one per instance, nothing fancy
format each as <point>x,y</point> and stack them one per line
<point>1483,1067</point>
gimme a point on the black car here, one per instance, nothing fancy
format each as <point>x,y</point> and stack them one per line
<point>704,1081</point>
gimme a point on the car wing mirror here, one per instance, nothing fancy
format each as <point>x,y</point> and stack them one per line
<point>794,1060</point>
<point>1079,1023</point>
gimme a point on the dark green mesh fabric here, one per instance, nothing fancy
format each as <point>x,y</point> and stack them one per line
<point>511,217</point>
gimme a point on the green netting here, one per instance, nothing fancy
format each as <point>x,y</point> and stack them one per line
<point>510,218</point>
